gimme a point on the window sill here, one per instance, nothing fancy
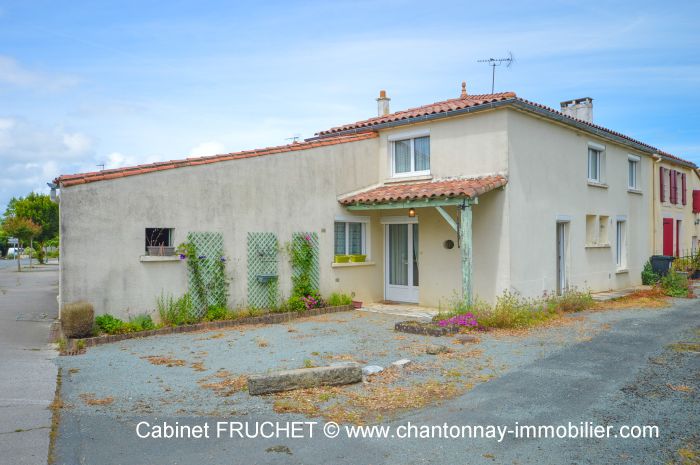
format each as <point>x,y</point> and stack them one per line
<point>351,264</point>
<point>159,258</point>
<point>597,246</point>
<point>408,178</point>
<point>597,184</point>
<point>622,271</point>
<point>634,191</point>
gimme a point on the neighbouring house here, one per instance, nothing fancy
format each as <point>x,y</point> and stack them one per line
<point>676,206</point>
<point>466,197</point>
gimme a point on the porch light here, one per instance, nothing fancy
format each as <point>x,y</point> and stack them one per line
<point>411,212</point>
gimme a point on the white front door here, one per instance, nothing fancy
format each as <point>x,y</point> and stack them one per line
<point>401,262</point>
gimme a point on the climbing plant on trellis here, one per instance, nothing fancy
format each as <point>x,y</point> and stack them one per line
<point>299,240</point>
<point>262,269</point>
<point>206,268</point>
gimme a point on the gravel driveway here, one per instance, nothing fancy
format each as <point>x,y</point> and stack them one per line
<point>611,367</point>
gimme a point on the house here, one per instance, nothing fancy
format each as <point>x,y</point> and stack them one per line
<point>466,197</point>
<point>676,206</point>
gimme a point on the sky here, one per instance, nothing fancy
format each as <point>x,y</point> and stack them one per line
<point>120,83</point>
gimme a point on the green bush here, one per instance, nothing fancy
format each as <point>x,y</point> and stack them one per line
<point>217,313</point>
<point>141,323</point>
<point>337,299</point>
<point>77,319</point>
<point>295,304</point>
<point>649,277</point>
<point>176,312</point>
<point>675,284</point>
<point>110,325</point>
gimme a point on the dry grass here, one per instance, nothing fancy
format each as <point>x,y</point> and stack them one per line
<point>261,342</point>
<point>644,298</point>
<point>164,360</point>
<point>198,366</point>
<point>224,383</point>
<point>89,399</point>
<point>685,347</point>
<point>680,388</point>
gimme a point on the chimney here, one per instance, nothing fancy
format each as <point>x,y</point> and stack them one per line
<point>464,90</point>
<point>580,108</point>
<point>383,104</point>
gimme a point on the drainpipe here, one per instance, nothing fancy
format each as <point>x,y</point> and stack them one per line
<point>654,209</point>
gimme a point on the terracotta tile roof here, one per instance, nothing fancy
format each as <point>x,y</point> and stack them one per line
<point>439,188</point>
<point>83,178</point>
<point>434,108</point>
<point>468,101</point>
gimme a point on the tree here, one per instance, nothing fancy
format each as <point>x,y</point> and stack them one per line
<point>22,228</point>
<point>42,211</point>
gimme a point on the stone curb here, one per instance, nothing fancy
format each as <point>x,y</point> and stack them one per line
<point>269,318</point>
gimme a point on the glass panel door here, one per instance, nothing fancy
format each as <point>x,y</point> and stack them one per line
<point>398,254</point>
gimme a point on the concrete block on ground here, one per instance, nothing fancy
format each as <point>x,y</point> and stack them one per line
<point>403,363</point>
<point>371,370</point>
<point>287,380</point>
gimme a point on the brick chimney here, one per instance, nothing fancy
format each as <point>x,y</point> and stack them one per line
<point>580,108</point>
<point>383,104</point>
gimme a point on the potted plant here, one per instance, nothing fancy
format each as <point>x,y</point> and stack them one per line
<point>358,258</point>
<point>356,304</point>
<point>342,258</point>
<point>160,250</point>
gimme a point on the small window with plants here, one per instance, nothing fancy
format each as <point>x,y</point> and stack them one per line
<point>350,241</point>
<point>159,242</point>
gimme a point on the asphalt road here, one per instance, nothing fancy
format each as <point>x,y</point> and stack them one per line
<point>624,375</point>
<point>27,374</point>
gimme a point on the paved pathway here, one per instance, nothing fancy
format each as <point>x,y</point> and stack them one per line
<point>407,310</point>
<point>28,376</point>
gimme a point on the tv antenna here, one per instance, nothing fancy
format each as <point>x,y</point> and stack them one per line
<point>493,62</point>
<point>101,166</point>
<point>294,139</point>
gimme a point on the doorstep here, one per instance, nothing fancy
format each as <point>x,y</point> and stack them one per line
<point>610,295</point>
<point>401,309</point>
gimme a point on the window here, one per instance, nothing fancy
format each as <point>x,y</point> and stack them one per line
<point>633,172</point>
<point>159,241</point>
<point>621,245</point>
<point>591,233</point>
<point>350,237</point>
<point>410,156</point>
<point>594,160</point>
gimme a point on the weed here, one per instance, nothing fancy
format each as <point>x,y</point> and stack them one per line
<point>309,363</point>
<point>80,344</point>
<point>675,284</point>
<point>262,342</point>
<point>337,299</point>
<point>176,312</point>
<point>649,277</point>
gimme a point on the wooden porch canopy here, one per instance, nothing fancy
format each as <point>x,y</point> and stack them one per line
<point>462,192</point>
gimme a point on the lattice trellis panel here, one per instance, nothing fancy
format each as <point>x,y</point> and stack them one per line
<point>312,237</point>
<point>210,253</point>
<point>263,277</point>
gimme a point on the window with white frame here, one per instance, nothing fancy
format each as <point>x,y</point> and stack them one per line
<point>621,244</point>
<point>350,236</point>
<point>596,160</point>
<point>410,156</point>
<point>633,172</point>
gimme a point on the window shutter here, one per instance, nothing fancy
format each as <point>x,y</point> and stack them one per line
<point>662,194</point>
<point>672,184</point>
<point>683,194</point>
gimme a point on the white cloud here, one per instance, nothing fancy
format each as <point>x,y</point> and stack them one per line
<point>207,148</point>
<point>11,72</point>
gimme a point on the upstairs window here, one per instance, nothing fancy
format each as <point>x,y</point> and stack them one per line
<point>633,172</point>
<point>411,156</point>
<point>159,241</point>
<point>595,163</point>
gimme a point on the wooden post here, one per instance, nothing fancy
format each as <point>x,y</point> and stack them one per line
<point>465,245</point>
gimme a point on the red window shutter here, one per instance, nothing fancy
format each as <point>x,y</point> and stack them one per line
<point>672,183</point>
<point>683,194</point>
<point>662,194</point>
<point>696,201</point>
